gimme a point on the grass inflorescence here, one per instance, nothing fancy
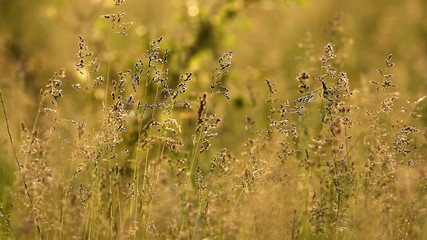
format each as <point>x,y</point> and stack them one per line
<point>146,157</point>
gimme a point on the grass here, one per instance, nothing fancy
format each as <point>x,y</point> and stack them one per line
<point>156,153</point>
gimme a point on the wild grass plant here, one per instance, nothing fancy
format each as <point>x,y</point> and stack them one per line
<point>149,156</point>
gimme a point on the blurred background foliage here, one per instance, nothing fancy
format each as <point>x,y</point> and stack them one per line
<point>40,37</point>
<point>37,38</point>
<point>273,39</point>
<point>270,39</point>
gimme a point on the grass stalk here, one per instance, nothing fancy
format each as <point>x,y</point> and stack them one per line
<point>18,164</point>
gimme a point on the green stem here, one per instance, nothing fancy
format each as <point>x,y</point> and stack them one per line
<point>20,167</point>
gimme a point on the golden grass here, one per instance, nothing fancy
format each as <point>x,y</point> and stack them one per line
<point>154,151</point>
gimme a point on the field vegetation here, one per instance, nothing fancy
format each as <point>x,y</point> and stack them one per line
<point>225,119</point>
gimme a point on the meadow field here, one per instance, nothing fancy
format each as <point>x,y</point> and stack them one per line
<point>221,119</point>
